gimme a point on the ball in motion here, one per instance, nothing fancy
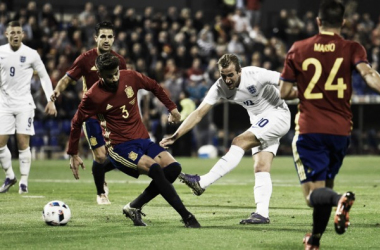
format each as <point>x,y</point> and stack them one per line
<point>56,213</point>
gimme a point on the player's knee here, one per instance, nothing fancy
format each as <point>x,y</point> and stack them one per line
<point>172,171</point>
<point>261,167</point>
<point>100,158</point>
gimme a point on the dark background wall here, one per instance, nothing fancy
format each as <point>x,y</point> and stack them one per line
<point>269,7</point>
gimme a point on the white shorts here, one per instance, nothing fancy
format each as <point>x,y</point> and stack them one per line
<point>20,121</point>
<point>269,127</point>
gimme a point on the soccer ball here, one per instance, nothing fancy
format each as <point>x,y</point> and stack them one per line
<point>56,213</point>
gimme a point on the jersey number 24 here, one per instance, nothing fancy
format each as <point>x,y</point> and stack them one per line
<point>339,87</point>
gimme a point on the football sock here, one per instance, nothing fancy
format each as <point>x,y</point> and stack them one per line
<point>25,158</point>
<point>99,175</point>
<point>324,197</point>
<point>108,166</point>
<point>321,216</point>
<point>171,173</point>
<point>228,162</point>
<point>6,162</point>
<point>167,190</point>
<point>262,192</point>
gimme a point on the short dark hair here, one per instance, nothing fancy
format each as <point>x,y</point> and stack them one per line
<point>14,24</point>
<point>106,61</point>
<point>104,25</point>
<point>331,13</point>
<point>227,59</point>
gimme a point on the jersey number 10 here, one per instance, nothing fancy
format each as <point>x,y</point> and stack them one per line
<point>339,87</point>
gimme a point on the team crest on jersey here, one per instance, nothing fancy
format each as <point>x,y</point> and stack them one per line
<point>93,141</point>
<point>251,89</point>
<point>132,155</point>
<point>22,59</point>
<point>129,91</point>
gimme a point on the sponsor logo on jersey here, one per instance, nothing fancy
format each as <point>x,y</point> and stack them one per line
<point>129,91</point>
<point>22,59</point>
<point>93,68</point>
<point>109,106</point>
<point>93,141</point>
<point>132,155</point>
<point>133,101</point>
<point>251,89</point>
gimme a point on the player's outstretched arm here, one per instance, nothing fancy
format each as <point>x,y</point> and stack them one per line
<point>370,76</point>
<point>61,86</point>
<point>193,119</point>
<point>288,91</point>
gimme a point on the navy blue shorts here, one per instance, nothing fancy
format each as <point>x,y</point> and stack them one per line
<point>318,157</point>
<point>93,132</point>
<point>125,156</point>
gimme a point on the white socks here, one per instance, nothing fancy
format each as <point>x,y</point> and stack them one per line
<point>25,158</point>
<point>228,162</point>
<point>6,162</point>
<point>262,192</point>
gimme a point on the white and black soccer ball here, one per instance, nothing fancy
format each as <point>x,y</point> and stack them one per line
<point>56,213</point>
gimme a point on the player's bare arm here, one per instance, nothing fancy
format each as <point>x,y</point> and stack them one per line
<point>193,119</point>
<point>50,109</point>
<point>371,76</point>
<point>288,91</point>
<point>174,116</point>
<point>75,162</point>
<point>61,86</point>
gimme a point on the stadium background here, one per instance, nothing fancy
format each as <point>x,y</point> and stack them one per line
<point>54,34</point>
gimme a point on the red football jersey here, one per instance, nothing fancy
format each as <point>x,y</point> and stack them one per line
<point>84,66</point>
<point>322,66</point>
<point>118,111</point>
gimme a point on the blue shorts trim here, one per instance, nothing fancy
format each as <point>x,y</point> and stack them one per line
<point>125,156</point>
<point>93,133</point>
<point>318,157</point>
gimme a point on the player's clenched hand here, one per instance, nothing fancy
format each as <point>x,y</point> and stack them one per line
<point>75,162</point>
<point>165,142</point>
<point>50,109</point>
<point>55,95</point>
<point>174,116</point>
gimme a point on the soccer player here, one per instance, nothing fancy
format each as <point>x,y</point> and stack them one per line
<point>255,89</point>
<point>114,100</point>
<point>84,66</point>
<point>17,63</point>
<point>321,67</point>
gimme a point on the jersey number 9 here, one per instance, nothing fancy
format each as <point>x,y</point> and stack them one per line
<point>12,71</point>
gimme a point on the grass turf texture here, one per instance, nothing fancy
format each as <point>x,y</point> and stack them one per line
<point>218,210</point>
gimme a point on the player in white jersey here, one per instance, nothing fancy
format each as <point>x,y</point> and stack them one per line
<point>17,63</point>
<point>256,90</point>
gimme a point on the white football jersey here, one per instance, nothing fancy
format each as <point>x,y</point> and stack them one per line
<point>257,91</point>
<point>16,71</point>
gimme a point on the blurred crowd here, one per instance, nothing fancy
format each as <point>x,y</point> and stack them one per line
<point>178,48</point>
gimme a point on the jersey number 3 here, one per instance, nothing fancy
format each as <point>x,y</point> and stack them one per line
<point>339,87</point>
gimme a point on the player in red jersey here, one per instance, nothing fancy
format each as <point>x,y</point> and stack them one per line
<point>321,67</point>
<point>114,100</point>
<point>84,66</point>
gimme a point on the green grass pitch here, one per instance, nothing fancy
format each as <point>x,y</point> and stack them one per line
<point>219,210</point>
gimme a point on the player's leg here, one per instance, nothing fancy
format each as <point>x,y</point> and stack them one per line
<point>148,166</point>
<point>24,129</point>
<point>171,169</point>
<point>131,158</point>
<point>263,187</point>
<point>7,127</point>
<point>25,159</point>
<point>94,136</point>
<point>229,161</point>
<point>6,164</point>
